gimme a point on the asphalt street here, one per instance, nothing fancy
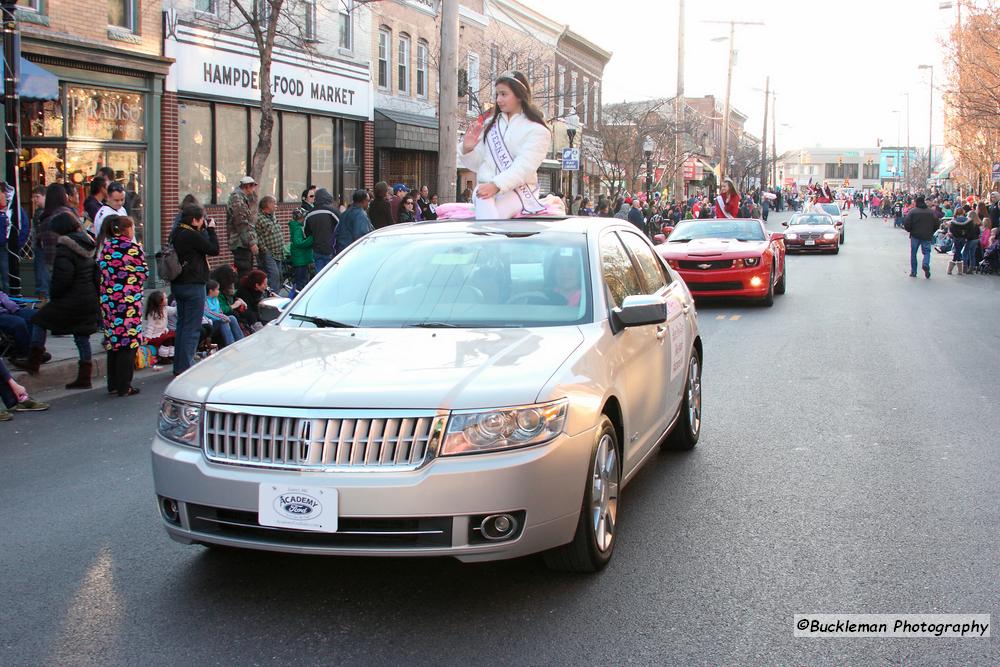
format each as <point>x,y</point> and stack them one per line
<point>848,463</point>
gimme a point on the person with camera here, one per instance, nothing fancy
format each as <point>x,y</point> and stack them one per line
<point>193,248</point>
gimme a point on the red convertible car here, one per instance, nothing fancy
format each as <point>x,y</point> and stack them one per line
<point>732,257</point>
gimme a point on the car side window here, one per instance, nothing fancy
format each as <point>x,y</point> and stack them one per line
<point>619,274</point>
<point>650,266</point>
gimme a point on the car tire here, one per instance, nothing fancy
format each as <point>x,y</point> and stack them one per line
<point>836,251</point>
<point>843,235</point>
<point>780,288</point>
<point>592,547</point>
<point>687,430</point>
<point>768,300</point>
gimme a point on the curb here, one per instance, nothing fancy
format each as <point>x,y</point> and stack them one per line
<point>56,374</point>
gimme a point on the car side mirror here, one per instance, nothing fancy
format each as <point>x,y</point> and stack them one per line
<point>784,224</point>
<point>640,310</point>
<point>839,223</point>
<point>273,306</point>
<point>777,236</point>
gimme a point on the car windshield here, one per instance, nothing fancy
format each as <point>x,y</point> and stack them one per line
<point>811,220</point>
<point>453,279</point>
<point>832,209</point>
<point>742,230</point>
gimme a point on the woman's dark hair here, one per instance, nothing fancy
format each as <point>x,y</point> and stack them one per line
<point>96,185</point>
<point>407,198</point>
<point>188,199</point>
<point>381,190</point>
<point>305,193</point>
<point>155,303</point>
<point>64,223</point>
<point>116,225</point>
<point>253,278</point>
<point>55,199</point>
<point>211,285</point>
<point>518,84</point>
<point>191,212</point>
<point>226,276</point>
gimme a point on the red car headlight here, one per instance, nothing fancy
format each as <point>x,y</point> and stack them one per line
<point>750,262</point>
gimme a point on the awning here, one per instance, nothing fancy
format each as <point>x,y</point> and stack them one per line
<point>408,131</point>
<point>36,82</point>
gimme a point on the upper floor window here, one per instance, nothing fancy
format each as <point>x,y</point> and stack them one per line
<point>404,64</point>
<point>473,80</point>
<point>122,13</point>
<point>206,6</point>
<point>547,88</point>
<point>572,93</point>
<point>494,62</point>
<point>597,103</point>
<point>585,117</point>
<point>561,91</point>
<point>346,9</point>
<point>309,9</point>
<point>384,58</point>
<point>422,73</point>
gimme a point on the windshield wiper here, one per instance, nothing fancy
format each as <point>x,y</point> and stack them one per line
<point>321,322</point>
<point>433,325</point>
<point>678,240</point>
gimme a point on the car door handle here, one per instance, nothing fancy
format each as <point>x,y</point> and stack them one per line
<point>661,332</point>
<point>687,308</point>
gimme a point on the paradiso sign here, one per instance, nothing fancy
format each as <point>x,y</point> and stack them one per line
<point>206,68</point>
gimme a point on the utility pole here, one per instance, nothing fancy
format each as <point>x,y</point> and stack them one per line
<point>679,106</point>
<point>763,141</point>
<point>729,85</point>
<point>774,140</point>
<point>448,103</point>
<point>12,145</point>
<point>907,158</point>
<point>930,123</point>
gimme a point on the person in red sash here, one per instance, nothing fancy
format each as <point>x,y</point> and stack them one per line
<point>727,203</point>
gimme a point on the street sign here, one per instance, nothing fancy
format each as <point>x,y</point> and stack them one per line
<point>996,171</point>
<point>571,159</point>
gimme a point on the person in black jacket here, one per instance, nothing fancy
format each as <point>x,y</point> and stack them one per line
<point>74,306</point>
<point>380,210</point>
<point>921,223</point>
<point>193,248</point>
<point>319,224</point>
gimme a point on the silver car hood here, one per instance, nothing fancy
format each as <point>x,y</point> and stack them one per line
<point>381,368</point>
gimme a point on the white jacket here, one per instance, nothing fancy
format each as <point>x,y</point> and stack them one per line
<point>528,143</point>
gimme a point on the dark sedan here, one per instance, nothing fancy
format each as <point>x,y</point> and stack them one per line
<point>812,232</point>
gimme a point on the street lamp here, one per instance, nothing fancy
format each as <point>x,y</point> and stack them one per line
<point>930,122</point>
<point>647,149</point>
<point>572,125</point>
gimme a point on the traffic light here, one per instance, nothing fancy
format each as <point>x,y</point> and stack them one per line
<point>840,161</point>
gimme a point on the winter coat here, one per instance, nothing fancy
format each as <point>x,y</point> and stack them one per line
<point>921,222</point>
<point>636,218</point>
<point>74,306</point>
<point>352,227</point>
<point>301,246</point>
<point>240,219</point>
<point>123,274</point>
<point>321,222</point>
<point>527,142</point>
<point>380,213</point>
<point>193,249</point>
<point>960,227</point>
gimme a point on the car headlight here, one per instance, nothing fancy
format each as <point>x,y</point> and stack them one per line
<point>791,236</point>
<point>507,428</point>
<point>829,236</point>
<point>751,261</point>
<point>179,422</point>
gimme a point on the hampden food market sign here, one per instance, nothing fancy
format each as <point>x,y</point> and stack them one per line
<point>205,65</point>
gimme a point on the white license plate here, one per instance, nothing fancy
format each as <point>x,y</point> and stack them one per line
<point>810,243</point>
<point>297,507</point>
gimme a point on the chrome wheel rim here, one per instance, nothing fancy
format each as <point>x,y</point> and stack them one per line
<point>694,395</point>
<point>604,493</point>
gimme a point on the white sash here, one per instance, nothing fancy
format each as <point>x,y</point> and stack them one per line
<point>722,206</point>
<point>503,161</point>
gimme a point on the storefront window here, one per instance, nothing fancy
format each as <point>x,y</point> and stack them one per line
<point>350,153</point>
<point>41,118</point>
<point>296,154</point>
<point>111,115</point>
<point>322,152</point>
<point>269,174</point>
<point>194,163</point>
<point>230,148</point>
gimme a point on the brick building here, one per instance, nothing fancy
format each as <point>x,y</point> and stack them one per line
<point>104,78</point>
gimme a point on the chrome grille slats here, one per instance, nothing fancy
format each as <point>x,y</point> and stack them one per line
<point>336,440</point>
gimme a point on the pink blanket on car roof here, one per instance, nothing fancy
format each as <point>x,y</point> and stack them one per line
<point>457,211</point>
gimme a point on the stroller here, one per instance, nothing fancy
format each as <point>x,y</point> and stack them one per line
<point>991,260</point>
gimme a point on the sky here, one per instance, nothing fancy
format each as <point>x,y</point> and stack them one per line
<point>839,69</point>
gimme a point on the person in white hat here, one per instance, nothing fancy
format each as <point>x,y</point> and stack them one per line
<point>241,214</point>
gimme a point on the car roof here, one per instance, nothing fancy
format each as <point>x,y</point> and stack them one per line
<point>572,224</point>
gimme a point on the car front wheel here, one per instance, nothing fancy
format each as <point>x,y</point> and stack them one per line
<point>597,529</point>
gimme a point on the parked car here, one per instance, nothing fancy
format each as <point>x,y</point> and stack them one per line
<point>812,232</point>
<point>473,389</point>
<point>835,212</point>
<point>732,257</point>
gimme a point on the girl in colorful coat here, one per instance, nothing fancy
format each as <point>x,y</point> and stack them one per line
<point>506,152</point>
<point>123,274</point>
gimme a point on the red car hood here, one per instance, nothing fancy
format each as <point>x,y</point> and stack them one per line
<point>711,248</point>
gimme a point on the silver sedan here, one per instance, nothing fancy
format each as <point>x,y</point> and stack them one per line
<point>482,390</point>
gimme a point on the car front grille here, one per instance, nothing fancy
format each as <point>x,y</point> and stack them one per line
<point>715,287</point>
<point>706,265</point>
<point>344,441</point>
<point>808,236</point>
<point>357,533</point>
